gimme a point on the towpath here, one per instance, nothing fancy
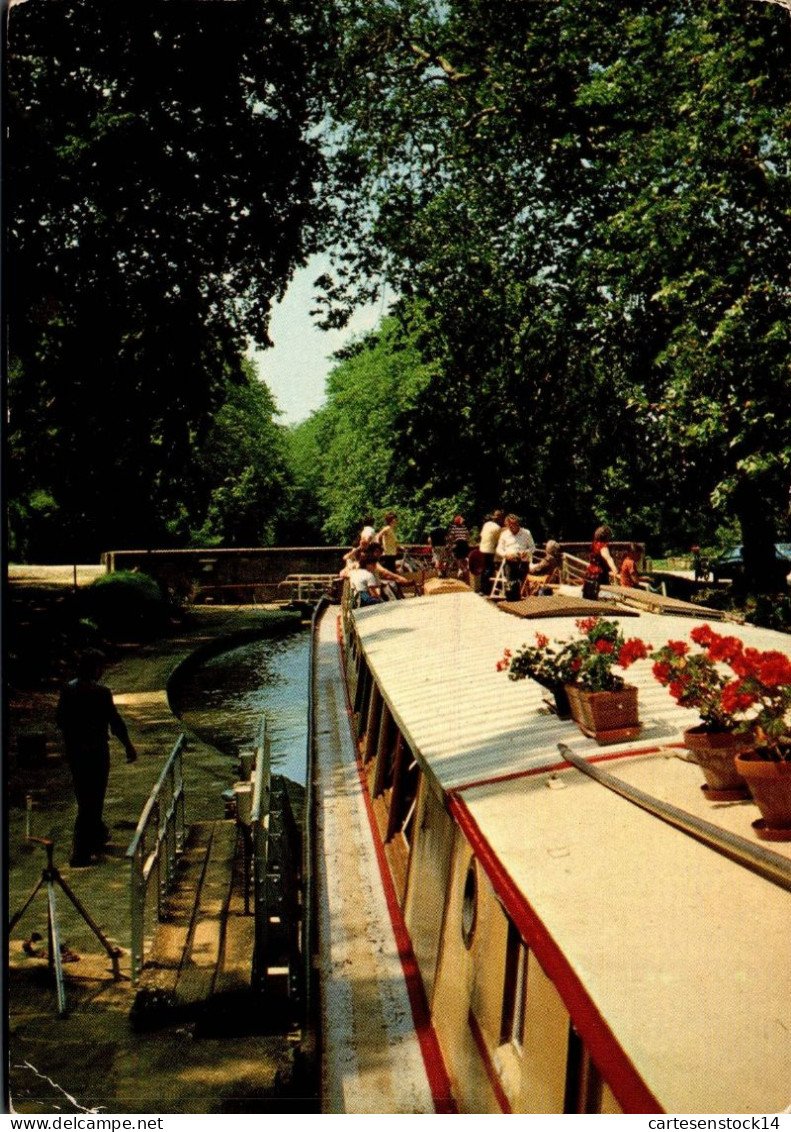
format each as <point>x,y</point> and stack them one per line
<point>91,1060</point>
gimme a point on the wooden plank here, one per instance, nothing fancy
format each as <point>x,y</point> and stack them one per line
<point>199,969</point>
<point>234,970</point>
<point>561,605</point>
<point>172,934</point>
<point>658,603</point>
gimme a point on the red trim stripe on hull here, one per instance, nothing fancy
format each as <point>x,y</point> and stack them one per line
<point>613,1064</point>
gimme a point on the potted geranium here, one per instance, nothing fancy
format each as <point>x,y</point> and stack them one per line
<point>753,702</point>
<point>544,663</point>
<point>760,692</point>
<point>694,681</point>
<point>601,703</point>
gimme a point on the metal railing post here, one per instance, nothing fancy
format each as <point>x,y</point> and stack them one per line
<point>260,812</point>
<point>138,915</point>
<point>164,814</point>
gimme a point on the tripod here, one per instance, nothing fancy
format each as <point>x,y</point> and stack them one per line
<point>51,876</point>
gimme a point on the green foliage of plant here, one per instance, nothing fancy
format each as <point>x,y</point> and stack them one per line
<point>586,661</point>
<point>345,454</point>
<point>126,605</point>
<point>582,208</point>
<point>163,165</point>
<point>771,611</point>
<point>241,471</point>
<point>585,212</point>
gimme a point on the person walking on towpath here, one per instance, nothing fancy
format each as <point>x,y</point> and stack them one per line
<point>86,714</point>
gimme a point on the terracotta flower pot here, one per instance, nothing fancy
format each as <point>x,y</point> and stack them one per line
<point>714,753</point>
<point>607,717</point>
<point>770,786</point>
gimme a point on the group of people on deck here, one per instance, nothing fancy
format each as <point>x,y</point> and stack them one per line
<point>370,565</point>
<point>505,547</point>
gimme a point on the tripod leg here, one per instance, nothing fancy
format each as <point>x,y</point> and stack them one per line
<point>15,919</point>
<point>113,952</point>
<point>54,947</point>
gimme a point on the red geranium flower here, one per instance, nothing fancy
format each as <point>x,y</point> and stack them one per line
<point>774,669</point>
<point>587,623</point>
<point>757,701</point>
<point>632,650</point>
<point>735,698</point>
<point>725,648</point>
<point>702,635</point>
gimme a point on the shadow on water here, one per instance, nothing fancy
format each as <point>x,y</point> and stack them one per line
<point>222,700</point>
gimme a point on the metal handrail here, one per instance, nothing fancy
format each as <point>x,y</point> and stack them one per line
<point>772,866</point>
<point>259,835</point>
<point>163,814</point>
<point>308,844</point>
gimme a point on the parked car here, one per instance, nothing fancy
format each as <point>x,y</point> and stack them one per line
<point>729,564</point>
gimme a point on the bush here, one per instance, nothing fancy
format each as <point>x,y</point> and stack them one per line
<point>771,612</point>
<point>127,605</point>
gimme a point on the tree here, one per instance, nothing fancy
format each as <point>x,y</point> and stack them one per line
<point>162,163</point>
<point>346,450</point>
<point>590,206</point>
<point>241,484</point>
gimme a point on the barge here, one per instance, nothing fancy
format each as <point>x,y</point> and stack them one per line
<point>560,948</point>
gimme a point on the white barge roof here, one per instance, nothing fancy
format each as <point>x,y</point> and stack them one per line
<point>685,953</point>
<point>435,661</point>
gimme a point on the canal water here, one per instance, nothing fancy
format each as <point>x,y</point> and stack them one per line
<point>223,699</point>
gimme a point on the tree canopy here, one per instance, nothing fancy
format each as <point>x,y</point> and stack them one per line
<point>591,203</point>
<point>161,191</point>
<point>584,210</point>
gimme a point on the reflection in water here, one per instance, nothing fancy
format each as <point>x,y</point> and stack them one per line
<point>223,700</point>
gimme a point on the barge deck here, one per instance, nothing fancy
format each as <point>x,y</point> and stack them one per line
<point>376,1057</point>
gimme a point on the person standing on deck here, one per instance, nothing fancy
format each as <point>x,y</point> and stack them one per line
<point>436,540</point>
<point>458,546</point>
<point>85,714</point>
<point>628,575</point>
<point>490,536</point>
<point>601,565</point>
<point>388,541</point>
<point>515,546</point>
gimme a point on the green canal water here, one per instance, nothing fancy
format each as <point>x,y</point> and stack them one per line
<point>223,699</point>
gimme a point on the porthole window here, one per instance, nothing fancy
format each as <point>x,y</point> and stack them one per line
<point>469,904</point>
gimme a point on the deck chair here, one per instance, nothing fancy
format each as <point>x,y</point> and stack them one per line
<point>500,584</point>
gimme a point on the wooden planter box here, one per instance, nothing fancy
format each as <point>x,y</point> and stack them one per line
<point>607,717</point>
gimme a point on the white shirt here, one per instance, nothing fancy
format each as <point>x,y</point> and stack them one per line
<point>490,533</point>
<point>512,545</point>
<point>362,580</point>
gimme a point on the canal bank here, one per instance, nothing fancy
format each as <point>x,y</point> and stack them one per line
<point>91,1059</point>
